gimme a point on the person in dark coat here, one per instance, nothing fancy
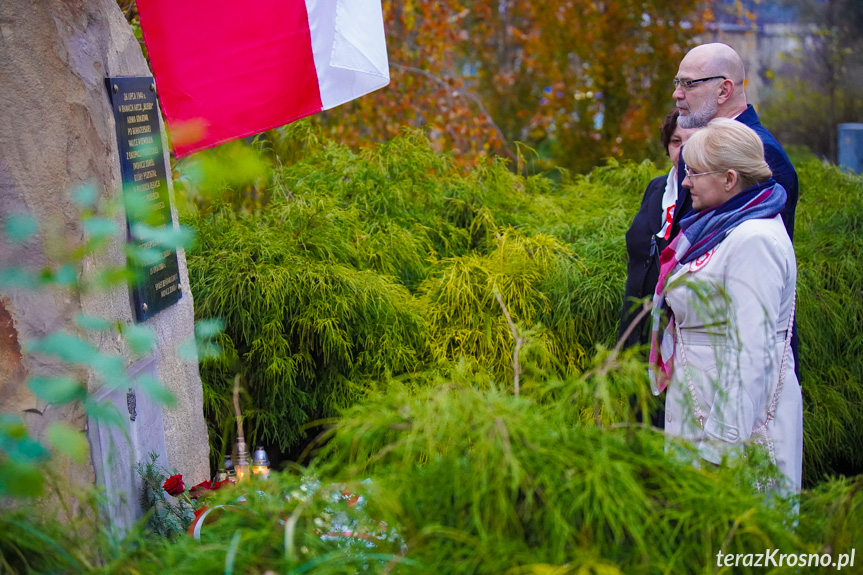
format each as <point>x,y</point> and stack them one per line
<point>649,234</point>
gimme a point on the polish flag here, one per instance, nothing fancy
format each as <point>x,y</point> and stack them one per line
<point>226,69</point>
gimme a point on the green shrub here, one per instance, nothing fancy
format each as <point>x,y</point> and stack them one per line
<point>304,324</point>
<point>484,482</point>
<point>460,476</point>
<point>828,242</point>
<point>388,261</point>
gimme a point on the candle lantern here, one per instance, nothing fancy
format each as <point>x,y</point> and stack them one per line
<point>242,465</point>
<point>260,463</point>
<point>228,468</point>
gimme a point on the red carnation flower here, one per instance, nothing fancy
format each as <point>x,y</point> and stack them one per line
<point>174,485</point>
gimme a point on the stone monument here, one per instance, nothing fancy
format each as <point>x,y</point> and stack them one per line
<point>58,133</point>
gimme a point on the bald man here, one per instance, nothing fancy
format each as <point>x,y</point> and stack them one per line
<point>709,84</point>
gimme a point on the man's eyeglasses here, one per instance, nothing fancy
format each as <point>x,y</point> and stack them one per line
<point>688,84</point>
<point>691,174</point>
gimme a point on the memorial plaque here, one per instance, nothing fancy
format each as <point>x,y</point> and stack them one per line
<point>145,190</point>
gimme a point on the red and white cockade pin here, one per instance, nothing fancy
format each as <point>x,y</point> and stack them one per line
<point>701,261</point>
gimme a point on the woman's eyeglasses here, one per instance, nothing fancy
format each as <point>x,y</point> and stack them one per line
<point>690,174</point>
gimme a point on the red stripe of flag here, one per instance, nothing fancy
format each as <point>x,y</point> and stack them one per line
<point>237,67</point>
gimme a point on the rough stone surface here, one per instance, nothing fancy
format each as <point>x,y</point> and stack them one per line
<point>12,372</point>
<point>57,134</point>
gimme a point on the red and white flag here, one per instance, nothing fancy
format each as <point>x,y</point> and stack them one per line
<point>233,68</point>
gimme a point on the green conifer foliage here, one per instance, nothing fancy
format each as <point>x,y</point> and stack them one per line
<point>484,482</point>
<point>388,262</point>
<point>458,475</point>
<point>464,316</point>
<point>828,241</point>
<point>304,328</point>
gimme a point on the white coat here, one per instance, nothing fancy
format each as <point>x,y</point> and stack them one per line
<point>733,307</point>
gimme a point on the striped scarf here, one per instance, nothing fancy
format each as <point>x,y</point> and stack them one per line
<point>699,233</point>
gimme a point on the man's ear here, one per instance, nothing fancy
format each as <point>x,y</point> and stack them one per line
<point>726,90</point>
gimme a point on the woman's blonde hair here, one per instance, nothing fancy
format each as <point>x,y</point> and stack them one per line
<point>726,144</point>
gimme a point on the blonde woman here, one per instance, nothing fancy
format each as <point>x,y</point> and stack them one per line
<point>727,293</point>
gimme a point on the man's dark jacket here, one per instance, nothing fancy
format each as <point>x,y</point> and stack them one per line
<point>642,268</point>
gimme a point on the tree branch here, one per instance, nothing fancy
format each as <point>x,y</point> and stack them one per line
<point>451,89</point>
<point>516,368</point>
<point>239,414</point>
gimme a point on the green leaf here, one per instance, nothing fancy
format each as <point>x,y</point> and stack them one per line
<point>141,339</point>
<point>110,368</point>
<point>166,236</point>
<point>144,257</point>
<point>109,277</point>
<point>105,413</point>
<point>16,442</point>
<point>56,390</point>
<point>12,426</point>
<point>208,349</point>
<point>66,275</point>
<point>201,347</point>
<point>158,392</point>
<point>68,347</point>
<point>233,165</point>
<point>188,350</point>
<point>196,350</point>
<point>137,206</point>
<point>207,328</point>
<point>75,350</point>
<point>92,322</point>
<point>69,441</point>
<point>20,479</point>
<point>16,278</point>
<point>99,227</point>
<point>85,196</point>
<point>20,228</point>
